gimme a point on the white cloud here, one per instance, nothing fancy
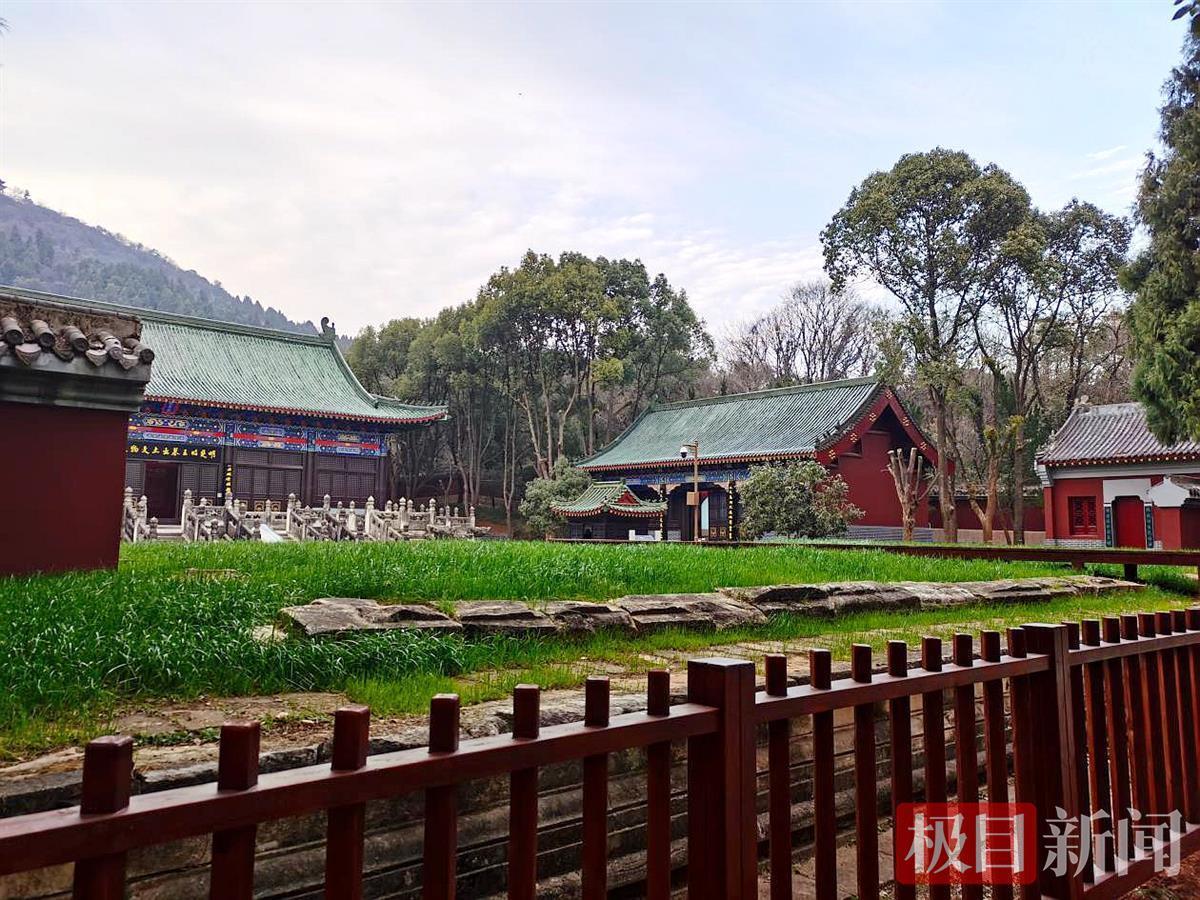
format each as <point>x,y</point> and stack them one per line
<point>369,161</point>
<point>1116,167</point>
<point>1105,154</point>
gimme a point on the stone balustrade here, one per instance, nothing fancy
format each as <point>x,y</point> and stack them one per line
<point>202,519</point>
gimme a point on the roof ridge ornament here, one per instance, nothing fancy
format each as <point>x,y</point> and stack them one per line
<point>328,328</point>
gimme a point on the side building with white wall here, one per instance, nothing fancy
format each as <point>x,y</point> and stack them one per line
<point>1109,482</point>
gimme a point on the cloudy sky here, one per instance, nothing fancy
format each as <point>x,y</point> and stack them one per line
<point>369,161</point>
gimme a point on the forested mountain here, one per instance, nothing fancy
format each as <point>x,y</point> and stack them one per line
<point>45,250</point>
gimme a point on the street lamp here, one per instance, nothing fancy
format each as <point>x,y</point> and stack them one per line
<point>694,450</point>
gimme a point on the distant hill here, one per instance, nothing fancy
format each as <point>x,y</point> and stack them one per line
<point>47,251</point>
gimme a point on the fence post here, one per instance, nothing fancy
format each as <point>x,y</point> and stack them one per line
<point>658,792</point>
<point>107,773</point>
<point>439,866</point>
<point>779,742</point>
<point>345,824</point>
<point>522,795</point>
<point>1054,750</point>
<point>233,849</point>
<point>722,829</point>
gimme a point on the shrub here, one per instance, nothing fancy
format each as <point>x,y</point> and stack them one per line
<point>799,499</point>
<point>565,483</point>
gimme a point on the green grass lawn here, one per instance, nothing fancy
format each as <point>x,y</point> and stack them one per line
<point>74,647</point>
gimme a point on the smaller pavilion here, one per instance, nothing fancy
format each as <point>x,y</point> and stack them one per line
<point>611,509</point>
<point>1109,482</point>
<point>848,426</point>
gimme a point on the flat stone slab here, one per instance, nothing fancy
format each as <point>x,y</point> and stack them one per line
<point>932,595</point>
<point>582,617</point>
<point>841,598</point>
<point>826,600</point>
<point>703,612</point>
<point>510,617</point>
<point>347,616</point>
<point>716,611</point>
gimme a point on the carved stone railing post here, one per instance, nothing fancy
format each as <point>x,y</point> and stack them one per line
<point>186,515</point>
<point>127,516</point>
<point>140,525</point>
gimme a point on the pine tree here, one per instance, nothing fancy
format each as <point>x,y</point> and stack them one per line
<point>1166,276</point>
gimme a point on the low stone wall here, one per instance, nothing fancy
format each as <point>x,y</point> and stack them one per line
<point>715,611</point>
<point>975,536</point>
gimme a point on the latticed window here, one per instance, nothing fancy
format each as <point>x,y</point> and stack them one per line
<point>1083,515</point>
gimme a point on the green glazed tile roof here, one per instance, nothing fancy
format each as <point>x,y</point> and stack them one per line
<point>242,367</point>
<point>783,422</point>
<point>609,496</point>
<point>254,368</point>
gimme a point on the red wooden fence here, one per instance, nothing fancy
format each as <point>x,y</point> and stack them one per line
<point>1102,717</point>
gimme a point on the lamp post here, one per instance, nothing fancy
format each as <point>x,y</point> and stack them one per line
<point>694,449</point>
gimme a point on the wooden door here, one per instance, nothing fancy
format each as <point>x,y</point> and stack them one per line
<point>202,479</point>
<point>162,491</point>
<point>260,475</point>
<point>346,479</point>
<point>135,476</point>
<point>1129,521</point>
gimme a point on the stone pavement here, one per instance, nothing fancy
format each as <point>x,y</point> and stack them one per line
<point>804,884</point>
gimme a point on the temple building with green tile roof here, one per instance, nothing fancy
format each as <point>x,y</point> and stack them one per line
<point>849,426</point>
<point>253,411</point>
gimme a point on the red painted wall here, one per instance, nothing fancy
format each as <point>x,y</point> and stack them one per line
<point>1189,527</point>
<point>1035,519</point>
<point>1058,517</point>
<point>1168,527</point>
<point>65,471</point>
<point>871,486</point>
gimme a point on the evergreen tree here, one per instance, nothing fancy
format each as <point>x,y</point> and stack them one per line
<point>1165,316</point>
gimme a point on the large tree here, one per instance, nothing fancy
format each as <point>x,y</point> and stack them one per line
<point>931,230</point>
<point>587,341</point>
<point>1060,277</point>
<point>1166,276</point>
<point>663,350</point>
<point>814,334</point>
<point>548,362</point>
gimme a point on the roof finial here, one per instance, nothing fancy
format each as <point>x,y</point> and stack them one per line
<point>328,329</point>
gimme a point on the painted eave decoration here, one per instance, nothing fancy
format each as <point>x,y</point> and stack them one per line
<point>609,497</point>
<point>813,421</point>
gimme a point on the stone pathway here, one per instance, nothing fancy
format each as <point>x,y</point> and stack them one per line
<point>804,884</point>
